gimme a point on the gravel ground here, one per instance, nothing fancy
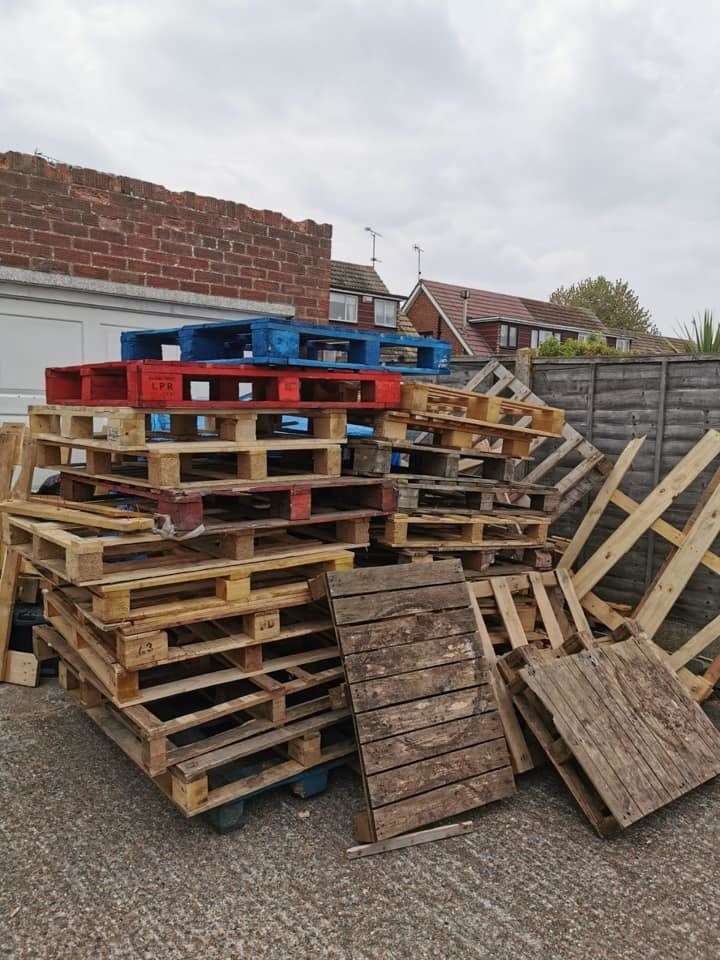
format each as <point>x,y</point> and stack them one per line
<point>97,864</point>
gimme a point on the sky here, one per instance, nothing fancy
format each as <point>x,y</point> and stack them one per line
<point>523,145</point>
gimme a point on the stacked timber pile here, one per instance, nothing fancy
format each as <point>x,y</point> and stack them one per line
<point>453,457</point>
<point>196,501</point>
<point>201,591</point>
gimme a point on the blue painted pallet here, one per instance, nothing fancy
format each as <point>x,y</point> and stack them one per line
<point>307,783</point>
<point>289,342</point>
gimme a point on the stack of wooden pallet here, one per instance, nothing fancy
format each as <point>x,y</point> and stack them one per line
<point>453,456</point>
<point>196,501</point>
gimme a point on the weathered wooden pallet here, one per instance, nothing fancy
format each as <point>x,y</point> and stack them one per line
<point>556,618</point>
<point>100,514</point>
<point>203,584</point>
<point>451,531</point>
<point>477,562</point>
<point>82,555</point>
<point>430,739</point>
<point>370,456</point>
<point>689,548</point>
<point>437,399</point>
<point>494,379</point>
<point>200,658</point>
<point>292,500</point>
<point>471,494</point>
<point>454,432</point>
<point>216,464</point>
<point>618,728</point>
<point>278,341</point>
<point>135,430</point>
<point>226,751</point>
<point>159,384</point>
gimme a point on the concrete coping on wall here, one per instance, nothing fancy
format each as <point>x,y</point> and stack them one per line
<point>479,363</point>
<point>106,288</point>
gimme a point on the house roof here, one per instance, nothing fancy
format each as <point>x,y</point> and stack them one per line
<point>358,277</point>
<point>486,304</point>
<point>649,343</point>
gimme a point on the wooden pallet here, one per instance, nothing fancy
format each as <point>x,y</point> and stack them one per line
<point>471,494</point>
<point>373,457</point>
<point>188,509</point>
<point>690,547</point>
<point>431,741</point>
<point>454,432</point>
<point>452,531</point>
<point>134,429</point>
<point>203,584</point>
<point>559,617</point>
<point>292,342</point>
<point>200,658</point>
<point>81,554</point>
<point>618,728</point>
<point>190,466</point>
<point>225,751</point>
<point>437,399</point>
<point>477,562</point>
<point>579,478</point>
<point>160,384</point>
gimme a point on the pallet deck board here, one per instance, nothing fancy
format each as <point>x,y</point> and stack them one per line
<point>636,736</point>
<point>431,744</point>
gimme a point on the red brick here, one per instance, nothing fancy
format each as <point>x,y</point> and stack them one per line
<point>92,246</point>
<point>69,229</point>
<point>123,276</point>
<point>178,273</point>
<point>16,233</point>
<point>180,249</point>
<point>111,236</point>
<point>221,291</point>
<point>270,286</point>
<point>169,259</point>
<point>203,276</point>
<point>163,282</point>
<point>96,273</point>
<point>12,260</point>
<point>32,249</point>
<point>193,287</point>
<point>113,263</point>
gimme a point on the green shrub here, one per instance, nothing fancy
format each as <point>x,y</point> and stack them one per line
<point>594,346</point>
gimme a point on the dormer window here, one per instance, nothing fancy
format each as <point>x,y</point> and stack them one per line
<point>508,336</point>
<point>540,336</point>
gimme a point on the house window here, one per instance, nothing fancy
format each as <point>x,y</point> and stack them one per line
<point>343,307</point>
<point>583,337</point>
<point>385,313</point>
<point>508,335</point>
<point>540,336</point>
<point>622,343</point>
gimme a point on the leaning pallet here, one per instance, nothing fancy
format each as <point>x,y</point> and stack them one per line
<point>617,726</point>
<point>430,739</point>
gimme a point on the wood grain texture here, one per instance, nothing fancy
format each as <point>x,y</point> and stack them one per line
<point>431,740</point>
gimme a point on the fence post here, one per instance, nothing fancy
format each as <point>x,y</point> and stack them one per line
<point>657,462</point>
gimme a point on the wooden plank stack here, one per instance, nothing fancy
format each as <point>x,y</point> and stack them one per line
<point>452,456</point>
<point>254,566</point>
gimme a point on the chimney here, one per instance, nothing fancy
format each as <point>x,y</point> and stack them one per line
<point>465,298</point>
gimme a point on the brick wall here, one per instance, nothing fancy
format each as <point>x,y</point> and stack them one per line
<point>79,222</point>
<point>426,320</point>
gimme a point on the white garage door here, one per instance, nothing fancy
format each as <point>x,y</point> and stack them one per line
<point>54,324</point>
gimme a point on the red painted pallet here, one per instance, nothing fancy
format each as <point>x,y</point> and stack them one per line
<point>172,383</point>
<point>290,501</point>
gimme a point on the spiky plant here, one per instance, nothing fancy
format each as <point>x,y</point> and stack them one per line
<point>702,334</point>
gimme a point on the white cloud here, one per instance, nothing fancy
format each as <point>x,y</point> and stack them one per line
<point>524,145</point>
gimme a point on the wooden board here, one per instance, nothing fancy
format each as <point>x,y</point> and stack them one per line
<point>623,719</point>
<point>431,740</point>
